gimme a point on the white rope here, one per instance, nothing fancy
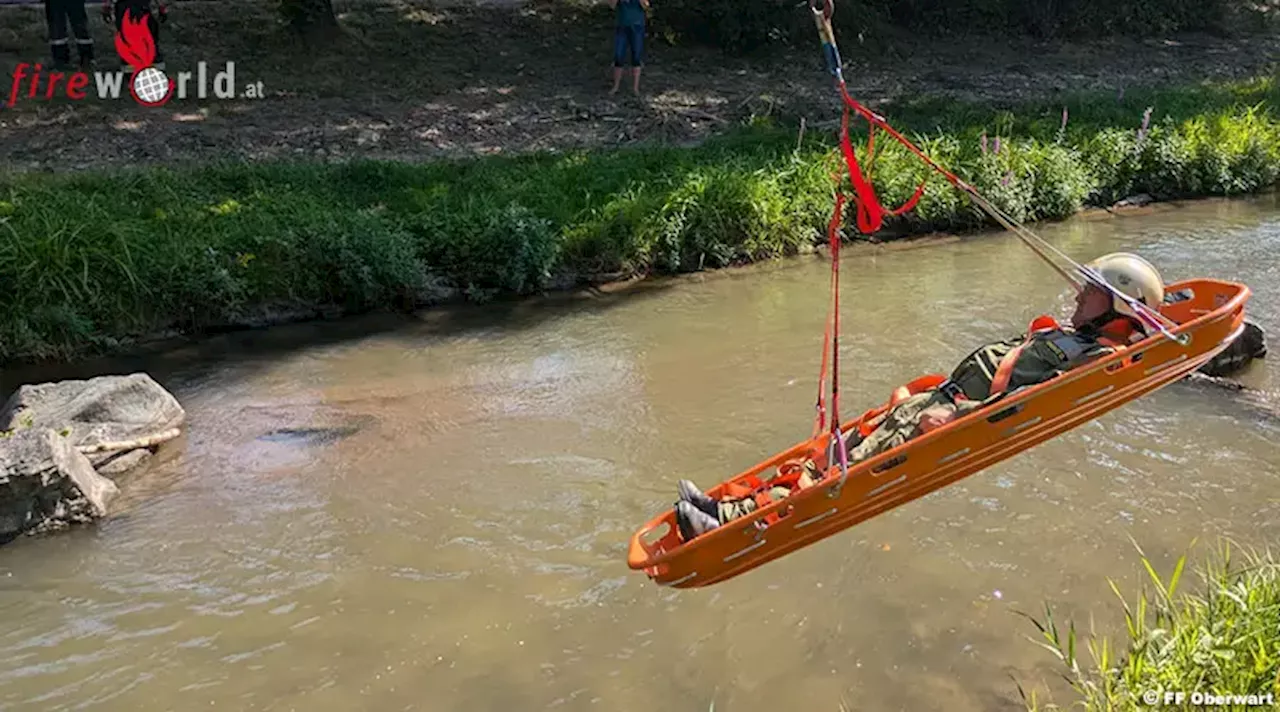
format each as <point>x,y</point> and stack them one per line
<point>1147,313</point>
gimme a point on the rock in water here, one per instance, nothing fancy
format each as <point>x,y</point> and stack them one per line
<point>104,409</point>
<point>46,484</point>
<point>1250,344</point>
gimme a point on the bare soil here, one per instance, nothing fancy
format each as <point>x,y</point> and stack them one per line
<point>419,81</point>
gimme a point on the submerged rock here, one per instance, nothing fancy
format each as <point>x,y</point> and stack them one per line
<point>46,484</point>
<point>1135,201</point>
<point>311,436</point>
<point>1249,345</point>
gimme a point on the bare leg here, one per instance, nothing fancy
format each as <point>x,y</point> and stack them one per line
<point>635,80</point>
<point>617,79</point>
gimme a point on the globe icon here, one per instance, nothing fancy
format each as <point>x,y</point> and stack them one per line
<point>150,85</point>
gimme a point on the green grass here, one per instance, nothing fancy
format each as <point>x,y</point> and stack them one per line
<point>89,262</point>
<point>1222,637</point>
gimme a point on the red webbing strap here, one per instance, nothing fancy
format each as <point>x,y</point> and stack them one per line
<point>870,212</point>
<point>835,314</point>
<point>871,158</point>
<point>833,228</point>
<point>1004,371</point>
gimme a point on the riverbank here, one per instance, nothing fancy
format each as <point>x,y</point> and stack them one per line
<point>100,260</point>
<point>1220,641</point>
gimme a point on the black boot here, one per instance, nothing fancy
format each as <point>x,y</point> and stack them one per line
<point>692,521</point>
<point>690,493</point>
<point>61,57</point>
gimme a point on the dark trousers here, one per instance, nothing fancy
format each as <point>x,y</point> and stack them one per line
<point>137,9</point>
<point>59,14</point>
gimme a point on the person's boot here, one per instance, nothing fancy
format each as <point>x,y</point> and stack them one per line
<point>690,493</point>
<point>61,57</point>
<point>693,522</point>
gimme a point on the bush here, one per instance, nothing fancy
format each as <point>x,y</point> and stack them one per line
<point>506,250</point>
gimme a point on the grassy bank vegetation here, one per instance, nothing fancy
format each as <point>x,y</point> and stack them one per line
<point>89,260</point>
<point>1221,637</point>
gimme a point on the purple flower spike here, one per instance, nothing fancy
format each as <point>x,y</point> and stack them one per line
<point>1064,119</point>
<point>983,142</point>
<point>1146,123</point>
<point>997,146</point>
<point>1007,177</point>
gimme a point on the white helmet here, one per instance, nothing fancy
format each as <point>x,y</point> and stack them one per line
<point>1132,276</point>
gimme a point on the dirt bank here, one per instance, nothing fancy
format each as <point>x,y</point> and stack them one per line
<point>419,81</point>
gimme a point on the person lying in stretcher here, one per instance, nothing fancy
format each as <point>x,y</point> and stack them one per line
<point>1100,324</point>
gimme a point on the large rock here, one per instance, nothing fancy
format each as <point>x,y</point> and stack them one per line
<point>1250,344</point>
<point>104,409</point>
<point>46,484</point>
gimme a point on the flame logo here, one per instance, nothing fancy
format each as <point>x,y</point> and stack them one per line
<point>137,48</point>
<point>134,42</point>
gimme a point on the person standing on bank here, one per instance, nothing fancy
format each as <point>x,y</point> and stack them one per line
<point>58,14</point>
<point>628,34</point>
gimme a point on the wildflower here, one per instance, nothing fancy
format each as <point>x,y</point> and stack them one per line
<point>996,149</point>
<point>983,142</point>
<point>1142,131</point>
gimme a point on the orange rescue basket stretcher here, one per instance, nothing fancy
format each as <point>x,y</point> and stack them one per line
<point>1211,314</point>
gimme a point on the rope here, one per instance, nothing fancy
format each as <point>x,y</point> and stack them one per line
<point>820,421</point>
<point>870,213</point>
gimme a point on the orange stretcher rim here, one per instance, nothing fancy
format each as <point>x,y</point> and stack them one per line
<point>658,557</point>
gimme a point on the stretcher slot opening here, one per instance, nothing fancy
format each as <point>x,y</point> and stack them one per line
<point>1006,413</point>
<point>656,534</point>
<point>889,464</point>
<point>815,519</point>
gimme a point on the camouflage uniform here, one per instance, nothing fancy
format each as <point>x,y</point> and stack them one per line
<point>1049,354</point>
<point>735,508</point>
<point>902,423</point>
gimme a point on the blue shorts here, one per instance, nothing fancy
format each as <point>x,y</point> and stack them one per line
<point>624,37</point>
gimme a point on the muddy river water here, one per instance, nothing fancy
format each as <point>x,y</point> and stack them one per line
<point>380,515</point>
